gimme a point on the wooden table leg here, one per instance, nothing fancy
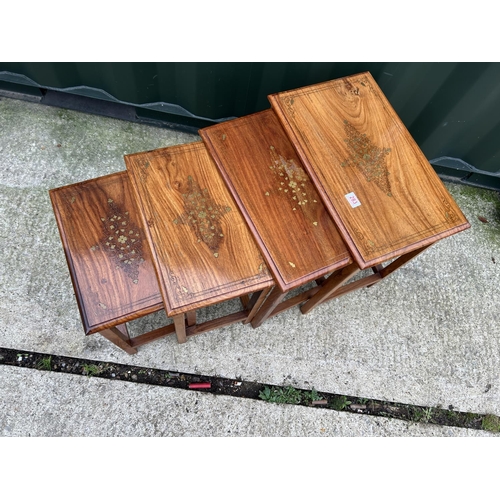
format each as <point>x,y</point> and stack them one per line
<point>400,261</point>
<point>379,271</point>
<point>273,299</point>
<point>331,284</point>
<point>376,270</point>
<point>180,328</point>
<point>245,300</point>
<point>365,282</point>
<point>120,337</point>
<point>255,303</point>
<point>191,318</point>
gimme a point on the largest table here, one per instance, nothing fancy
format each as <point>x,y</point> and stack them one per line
<point>374,180</point>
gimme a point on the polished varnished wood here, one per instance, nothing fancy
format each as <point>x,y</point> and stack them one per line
<point>375,181</point>
<point>107,254</point>
<point>201,245</point>
<point>282,207</point>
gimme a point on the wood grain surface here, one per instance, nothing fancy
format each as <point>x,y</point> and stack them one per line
<point>203,250</point>
<point>356,148</point>
<point>106,251</point>
<point>296,235</point>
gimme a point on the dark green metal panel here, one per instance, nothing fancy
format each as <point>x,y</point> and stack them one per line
<point>451,109</point>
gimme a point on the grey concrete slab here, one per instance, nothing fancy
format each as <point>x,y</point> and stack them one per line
<point>428,335</point>
<point>49,404</point>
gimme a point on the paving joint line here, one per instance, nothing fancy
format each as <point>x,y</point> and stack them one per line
<point>248,390</point>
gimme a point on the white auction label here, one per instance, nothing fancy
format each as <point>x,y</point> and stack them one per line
<point>353,200</point>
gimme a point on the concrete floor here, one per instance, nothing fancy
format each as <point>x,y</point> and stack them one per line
<point>428,335</point>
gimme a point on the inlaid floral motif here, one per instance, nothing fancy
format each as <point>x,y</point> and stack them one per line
<point>449,214</point>
<point>122,240</point>
<point>180,290</point>
<point>292,180</point>
<point>144,171</point>
<point>367,157</point>
<point>288,102</point>
<point>203,215</point>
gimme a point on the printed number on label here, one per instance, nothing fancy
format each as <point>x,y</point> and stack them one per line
<point>353,200</point>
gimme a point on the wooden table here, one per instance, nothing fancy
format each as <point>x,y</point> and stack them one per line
<point>282,207</point>
<point>375,182</point>
<point>324,184</point>
<point>109,260</point>
<point>200,244</point>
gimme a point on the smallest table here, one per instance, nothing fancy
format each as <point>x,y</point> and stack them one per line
<point>376,183</point>
<point>109,260</point>
<point>201,247</point>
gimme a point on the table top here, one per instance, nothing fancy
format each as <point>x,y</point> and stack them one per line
<point>108,256</point>
<point>201,246</point>
<point>374,180</point>
<point>282,207</point>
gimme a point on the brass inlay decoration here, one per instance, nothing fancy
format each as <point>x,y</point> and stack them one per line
<point>449,214</point>
<point>351,88</point>
<point>122,240</point>
<point>144,172</point>
<point>365,82</point>
<point>293,181</point>
<point>180,290</point>
<point>368,244</point>
<point>203,215</point>
<point>368,158</point>
<point>288,102</point>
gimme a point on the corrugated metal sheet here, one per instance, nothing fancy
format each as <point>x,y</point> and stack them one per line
<point>451,109</point>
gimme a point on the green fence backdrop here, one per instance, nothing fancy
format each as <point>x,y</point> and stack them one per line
<point>451,109</point>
